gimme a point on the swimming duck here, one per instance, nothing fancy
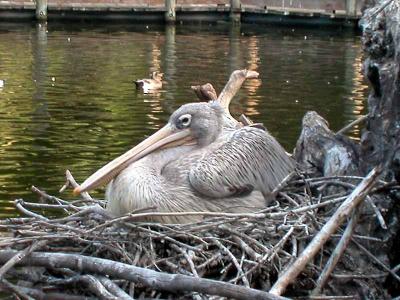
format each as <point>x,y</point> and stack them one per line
<point>149,84</point>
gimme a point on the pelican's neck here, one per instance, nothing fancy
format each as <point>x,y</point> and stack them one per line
<point>159,159</point>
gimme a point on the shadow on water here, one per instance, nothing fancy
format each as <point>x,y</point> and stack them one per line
<point>69,101</point>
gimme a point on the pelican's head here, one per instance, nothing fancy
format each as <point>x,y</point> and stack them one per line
<point>203,120</point>
<point>192,124</point>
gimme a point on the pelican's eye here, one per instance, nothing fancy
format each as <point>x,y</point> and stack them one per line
<point>184,121</point>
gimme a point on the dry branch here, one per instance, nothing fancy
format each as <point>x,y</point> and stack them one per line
<point>205,92</point>
<point>352,124</point>
<point>150,278</point>
<point>329,228</point>
<point>232,87</point>
<point>19,256</point>
<point>337,253</point>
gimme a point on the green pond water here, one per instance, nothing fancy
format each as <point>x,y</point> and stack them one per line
<point>69,101</point>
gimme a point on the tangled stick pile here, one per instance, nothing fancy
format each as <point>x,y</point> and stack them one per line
<point>48,257</point>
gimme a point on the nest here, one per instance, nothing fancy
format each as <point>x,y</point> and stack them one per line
<point>73,250</point>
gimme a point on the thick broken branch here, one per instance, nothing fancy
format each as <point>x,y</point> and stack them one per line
<point>205,92</point>
<point>233,85</point>
<point>150,278</point>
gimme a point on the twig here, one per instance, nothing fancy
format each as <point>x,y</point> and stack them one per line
<point>188,259</point>
<point>234,261</point>
<point>232,86</point>
<point>378,214</point>
<point>327,230</point>
<point>15,289</point>
<point>354,123</point>
<point>72,181</point>
<point>376,260</point>
<point>337,253</point>
<point>18,204</point>
<point>92,209</point>
<point>19,256</point>
<point>247,249</point>
<point>150,278</point>
<point>46,196</point>
<point>113,288</point>
<point>305,208</point>
<point>189,213</point>
<point>97,288</point>
<point>283,183</point>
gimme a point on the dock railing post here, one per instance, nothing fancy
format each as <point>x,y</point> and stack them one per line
<point>235,11</point>
<point>170,14</point>
<point>351,8</point>
<point>41,10</point>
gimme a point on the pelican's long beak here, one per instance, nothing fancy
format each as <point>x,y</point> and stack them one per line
<point>166,137</point>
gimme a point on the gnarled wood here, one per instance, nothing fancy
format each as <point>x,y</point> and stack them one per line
<point>322,152</point>
<point>153,279</point>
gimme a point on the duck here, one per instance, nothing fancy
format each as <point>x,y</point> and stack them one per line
<point>150,84</point>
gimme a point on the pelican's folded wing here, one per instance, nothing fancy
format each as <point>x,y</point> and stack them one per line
<point>250,159</point>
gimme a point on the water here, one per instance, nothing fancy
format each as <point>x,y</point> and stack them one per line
<point>69,101</point>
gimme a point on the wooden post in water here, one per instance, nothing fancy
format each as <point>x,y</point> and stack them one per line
<point>41,10</point>
<point>351,8</point>
<point>170,14</point>
<point>236,8</point>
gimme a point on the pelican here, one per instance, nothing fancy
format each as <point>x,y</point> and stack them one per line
<point>150,84</point>
<point>196,162</point>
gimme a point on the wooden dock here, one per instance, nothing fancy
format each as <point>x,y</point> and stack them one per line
<point>328,12</point>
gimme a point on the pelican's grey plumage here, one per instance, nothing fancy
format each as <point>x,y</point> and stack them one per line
<point>195,163</point>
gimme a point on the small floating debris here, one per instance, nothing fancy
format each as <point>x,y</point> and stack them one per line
<point>2,82</point>
<point>305,37</point>
<point>69,39</point>
<point>53,79</point>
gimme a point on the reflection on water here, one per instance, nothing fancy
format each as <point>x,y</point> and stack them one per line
<point>69,101</point>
